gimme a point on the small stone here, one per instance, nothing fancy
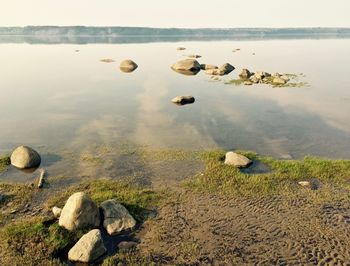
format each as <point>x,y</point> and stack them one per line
<point>128,66</point>
<point>56,212</point>
<point>245,74</point>
<point>89,247</point>
<point>125,245</point>
<point>278,81</point>
<point>180,48</point>
<point>248,83</point>
<point>304,183</point>
<point>254,79</point>
<point>238,160</point>
<point>284,77</point>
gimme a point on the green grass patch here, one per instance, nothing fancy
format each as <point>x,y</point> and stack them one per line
<point>4,162</point>
<point>236,82</point>
<point>137,200</point>
<point>282,179</point>
<point>35,241</point>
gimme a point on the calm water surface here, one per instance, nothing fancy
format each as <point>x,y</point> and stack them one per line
<point>54,98</point>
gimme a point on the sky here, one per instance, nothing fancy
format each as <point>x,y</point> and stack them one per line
<point>179,13</point>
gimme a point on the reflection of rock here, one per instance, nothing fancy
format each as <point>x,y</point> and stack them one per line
<point>128,66</point>
<point>187,72</point>
<point>207,67</point>
<point>181,100</point>
<point>25,157</point>
<point>245,74</point>
<point>79,212</point>
<point>89,247</point>
<point>238,160</point>
<point>116,217</point>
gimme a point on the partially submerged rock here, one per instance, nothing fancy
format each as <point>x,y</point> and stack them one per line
<point>128,66</point>
<point>191,65</point>
<point>89,248</point>
<point>245,74</point>
<point>180,48</point>
<point>79,212</point>
<point>116,217</point>
<point>182,100</point>
<point>278,81</point>
<point>207,67</point>
<point>238,160</point>
<point>25,157</point>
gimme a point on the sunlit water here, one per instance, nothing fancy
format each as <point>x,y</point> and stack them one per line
<point>55,99</point>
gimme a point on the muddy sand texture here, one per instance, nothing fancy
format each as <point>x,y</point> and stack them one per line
<point>202,229</point>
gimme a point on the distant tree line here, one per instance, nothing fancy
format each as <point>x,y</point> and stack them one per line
<point>143,31</point>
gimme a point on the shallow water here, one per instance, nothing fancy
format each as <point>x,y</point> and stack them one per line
<point>56,99</point>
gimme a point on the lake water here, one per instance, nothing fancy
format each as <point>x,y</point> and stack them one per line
<point>56,99</point>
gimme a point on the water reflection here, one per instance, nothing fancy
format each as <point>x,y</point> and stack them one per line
<point>66,101</point>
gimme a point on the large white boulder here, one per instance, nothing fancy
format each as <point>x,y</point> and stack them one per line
<point>79,212</point>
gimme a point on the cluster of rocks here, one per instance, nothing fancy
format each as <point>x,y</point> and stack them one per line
<point>80,212</point>
<point>192,67</point>
<point>250,78</point>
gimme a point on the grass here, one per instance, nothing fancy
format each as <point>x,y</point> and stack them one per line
<point>35,242</point>
<point>137,200</point>
<point>41,241</point>
<point>4,162</point>
<point>236,82</point>
<point>13,197</point>
<point>282,179</point>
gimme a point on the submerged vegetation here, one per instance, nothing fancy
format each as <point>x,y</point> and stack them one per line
<point>291,81</point>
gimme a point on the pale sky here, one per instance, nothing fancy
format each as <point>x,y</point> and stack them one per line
<point>178,13</point>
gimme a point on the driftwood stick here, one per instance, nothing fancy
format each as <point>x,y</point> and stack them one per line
<point>41,178</point>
